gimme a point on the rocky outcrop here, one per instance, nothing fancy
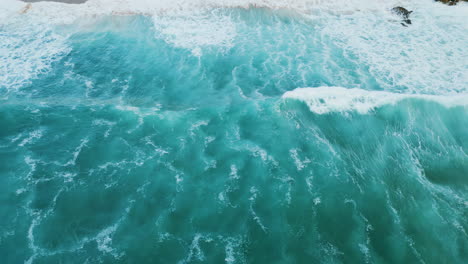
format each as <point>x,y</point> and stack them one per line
<point>451,2</point>
<point>404,14</point>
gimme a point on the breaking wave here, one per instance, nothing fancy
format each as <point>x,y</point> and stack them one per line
<point>322,100</point>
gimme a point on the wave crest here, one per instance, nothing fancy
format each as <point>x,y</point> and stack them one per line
<point>323,100</point>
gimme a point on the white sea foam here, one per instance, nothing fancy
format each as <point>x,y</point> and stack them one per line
<point>33,136</point>
<point>77,152</point>
<point>233,175</point>
<point>196,30</point>
<point>232,250</point>
<point>256,218</point>
<point>104,241</point>
<point>108,124</point>
<point>26,51</point>
<point>195,251</point>
<point>427,57</point>
<point>324,100</point>
<point>60,13</point>
<point>300,164</point>
<point>32,163</point>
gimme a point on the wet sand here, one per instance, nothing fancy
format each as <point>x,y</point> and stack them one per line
<point>61,1</point>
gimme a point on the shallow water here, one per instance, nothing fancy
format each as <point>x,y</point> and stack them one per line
<point>188,138</point>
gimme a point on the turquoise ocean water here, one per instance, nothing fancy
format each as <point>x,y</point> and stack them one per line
<point>137,139</point>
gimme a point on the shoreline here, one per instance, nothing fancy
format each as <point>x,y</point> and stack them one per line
<point>52,8</point>
<point>58,1</point>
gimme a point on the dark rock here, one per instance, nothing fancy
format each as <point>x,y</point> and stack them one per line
<point>451,2</point>
<point>448,2</point>
<point>403,13</point>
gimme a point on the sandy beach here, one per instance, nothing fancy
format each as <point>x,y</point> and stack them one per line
<point>61,1</point>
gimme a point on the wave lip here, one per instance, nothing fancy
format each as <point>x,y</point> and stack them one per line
<point>323,100</point>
